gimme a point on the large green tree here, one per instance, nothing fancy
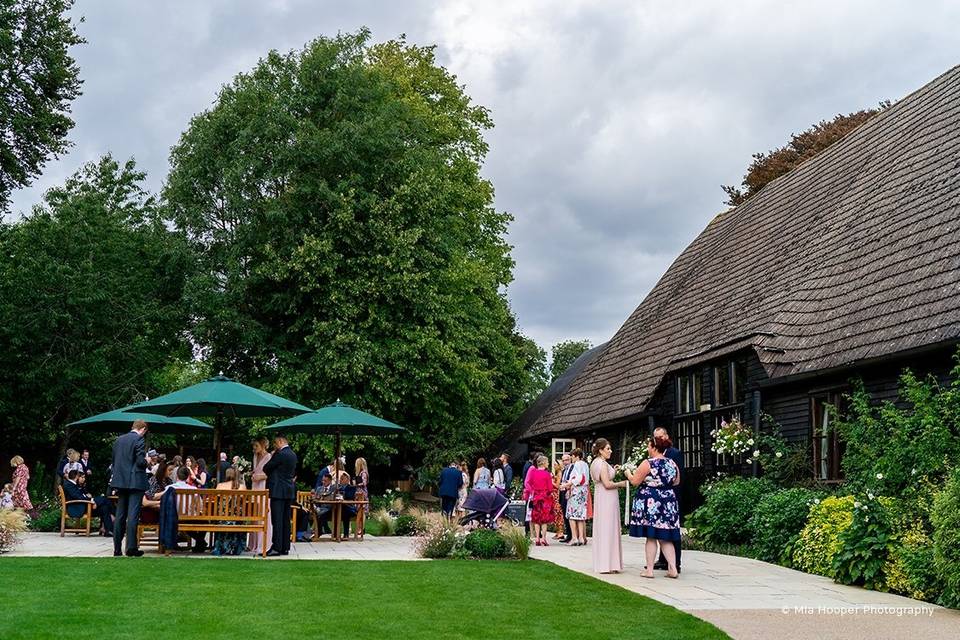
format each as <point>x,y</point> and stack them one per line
<point>90,304</point>
<point>564,353</point>
<point>350,246</point>
<point>38,81</point>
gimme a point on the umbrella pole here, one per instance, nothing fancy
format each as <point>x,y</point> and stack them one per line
<point>336,460</point>
<point>217,429</point>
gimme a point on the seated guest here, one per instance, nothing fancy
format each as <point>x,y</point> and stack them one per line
<point>102,508</point>
<point>199,537</point>
<point>200,474</point>
<point>229,544</point>
<point>73,463</point>
<point>154,460</point>
<point>348,511</point>
<point>326,491</point>
<point>156,485</point>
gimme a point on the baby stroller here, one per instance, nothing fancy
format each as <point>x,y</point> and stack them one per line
<point>484,507</point>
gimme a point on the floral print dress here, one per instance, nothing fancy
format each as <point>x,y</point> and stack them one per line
<point>21,499</point>
<point>655,513</point>
<point>579,492</point>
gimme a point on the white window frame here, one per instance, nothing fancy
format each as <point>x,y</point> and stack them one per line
<point>564,443</point>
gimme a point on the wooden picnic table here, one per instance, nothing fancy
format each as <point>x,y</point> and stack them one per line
<point>336,507</point>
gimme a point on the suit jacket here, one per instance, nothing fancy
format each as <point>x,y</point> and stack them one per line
<point>129,462</point>
<point>72,491</point>
<point>451,479</point>
<point>677,456</point>
<point>281,469</point>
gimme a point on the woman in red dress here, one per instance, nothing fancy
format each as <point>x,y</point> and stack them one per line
<point>538,488</point>
<point>21,476</point>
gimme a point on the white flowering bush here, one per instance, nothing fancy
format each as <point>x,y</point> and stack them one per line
<point>732,438</point>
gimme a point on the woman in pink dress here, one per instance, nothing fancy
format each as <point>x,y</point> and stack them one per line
<point>607,552</point>
<point>21,476</point>
<point>538,489</point>
<point>260,457</point>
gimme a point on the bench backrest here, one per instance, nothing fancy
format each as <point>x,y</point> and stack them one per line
<point>209,505</point>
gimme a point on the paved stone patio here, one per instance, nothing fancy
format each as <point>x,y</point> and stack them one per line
<point>746,598</point>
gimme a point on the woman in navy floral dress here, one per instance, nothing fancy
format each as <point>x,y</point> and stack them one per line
<point>655,515</point>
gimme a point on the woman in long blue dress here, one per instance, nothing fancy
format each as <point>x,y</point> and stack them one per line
<point>655,515</point>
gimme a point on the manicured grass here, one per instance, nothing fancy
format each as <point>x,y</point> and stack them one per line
<point>167,598</point>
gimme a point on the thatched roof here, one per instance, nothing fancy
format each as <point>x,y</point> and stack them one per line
<point>853,255</point>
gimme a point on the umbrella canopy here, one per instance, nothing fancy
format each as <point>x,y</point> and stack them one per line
<point>220,396</point>
<point>338,418</point>
<point>120,420</point>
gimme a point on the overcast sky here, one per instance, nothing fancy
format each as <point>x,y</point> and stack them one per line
<point>616,121</point>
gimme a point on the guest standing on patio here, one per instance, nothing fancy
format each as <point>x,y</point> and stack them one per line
<point>281,469</point>
<point>259,479</point>
<point>481,477</point>
<point>21,477</point>
<point>361,480</point>
<point>449,487</point>
<point>672,453</point>
<point>130,481</point>
<point>607,551</point>
<point>655,515</point>
<point>538,491</point>
<point>578,497</point>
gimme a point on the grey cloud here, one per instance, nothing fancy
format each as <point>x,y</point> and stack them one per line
<point>616,121</point>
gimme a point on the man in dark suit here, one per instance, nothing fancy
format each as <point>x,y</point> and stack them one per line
<point>129,479</point>
<point>567,463</point>
<point>677,456</point>
<point>451,479</point>
<point>73,491</point>
<point>281,469</point>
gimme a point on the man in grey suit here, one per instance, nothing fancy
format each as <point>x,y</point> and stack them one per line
<point>129,479</point>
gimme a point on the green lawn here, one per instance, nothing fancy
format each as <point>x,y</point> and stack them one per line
<point>171,598</point>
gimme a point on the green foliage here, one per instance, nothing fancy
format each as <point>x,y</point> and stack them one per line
<point>865,545</point>
<point>485,544</point>
<point>408,525</point>
<point>48,519</point>
<point>785,463</point>
<point>725,516</point>
<point>946,539</point>
<point>38,81</point>
<point>349,246</point>
<point>518,542</point>
<point>563,354</point>
<point>892,451</point>
<point>383,523</point>
<point>777,521</point>
<point>911,567</point>
<point>13,522</point>
<point>439,540</point>
<point>90,304</point>
<point>819,540</point>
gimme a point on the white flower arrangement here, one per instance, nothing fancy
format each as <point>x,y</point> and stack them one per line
<point>779,454</point>
<point>879,476</point>
<point>732,437</point>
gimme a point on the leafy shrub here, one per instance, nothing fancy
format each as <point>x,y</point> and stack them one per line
<point>865,545</point>
<point>777,521</point>
<point>383,522</point>
<point>407,525</point>
<point>946,539</point>
<point>724,517</point>
<point>439,540</point>
<point>819,540</point>
<point>392,500</point>
<point>48,519</point>
<point>910,569</point>
<point>518,543</point>
<point>485,544</point>
<point>13,522</point>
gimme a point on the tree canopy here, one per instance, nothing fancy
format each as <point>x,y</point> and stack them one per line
<point>564,353</point>
<point>349,247</point>
<point>766,167</point>
<point>38,81</point>
<point>90,303</point>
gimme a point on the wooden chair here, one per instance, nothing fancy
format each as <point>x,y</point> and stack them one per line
<point>63,513</point>
<point>302,504</point>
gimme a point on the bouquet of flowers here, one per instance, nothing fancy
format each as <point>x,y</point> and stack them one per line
<point>732,437</point>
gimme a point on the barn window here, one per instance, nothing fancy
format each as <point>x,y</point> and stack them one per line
<point>827,445</point>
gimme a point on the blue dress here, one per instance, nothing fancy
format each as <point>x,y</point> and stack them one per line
<point>655,513</point>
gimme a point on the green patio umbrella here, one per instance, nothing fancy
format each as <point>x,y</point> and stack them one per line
<point>218,397</point>
<point>120,420</point>
<point>338,419</point>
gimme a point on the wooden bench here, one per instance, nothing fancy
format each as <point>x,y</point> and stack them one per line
<point>64,515</point>
<point>224,511</point>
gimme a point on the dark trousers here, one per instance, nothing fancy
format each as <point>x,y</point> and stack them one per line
<point>280,516</point>
<point>676,545</point>
<point>104,511</point>
<point>129,502</point>
<point>567,533</point>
